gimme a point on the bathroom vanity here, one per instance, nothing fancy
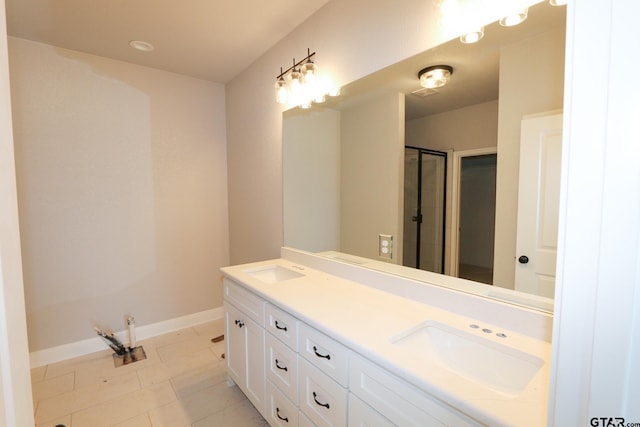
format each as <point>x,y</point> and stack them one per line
<point>315,341</point>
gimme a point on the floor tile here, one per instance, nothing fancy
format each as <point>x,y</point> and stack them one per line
<point>241,415</point>
<point>200,379</point>
<point>94,373</point>
<point>37,374</point>
<point>210,329</point>
<point>78,363</point>
<point>211,400</point>
<point>53,387</point>
<point>171,415</point>
<point>63,421</point>
<point>82,398</point>
<point>139,421</point>
<point>177,366</point>
<point>184,348</point>
<point>124,408</point>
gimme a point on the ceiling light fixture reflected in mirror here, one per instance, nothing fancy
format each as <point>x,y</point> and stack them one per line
<point>435,76</point>
<point>141,45</point>
<point>515,18</point>
<point>472,36</point>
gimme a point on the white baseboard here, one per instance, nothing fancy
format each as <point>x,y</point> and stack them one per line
<point>91,345</point>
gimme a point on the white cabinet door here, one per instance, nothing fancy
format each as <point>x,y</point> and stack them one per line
<point>245,355</point>
<point>235,345</point>
<point>538,204</point>
<point>256,382</point>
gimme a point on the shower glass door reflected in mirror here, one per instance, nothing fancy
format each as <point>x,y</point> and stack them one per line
<point>425,174</point>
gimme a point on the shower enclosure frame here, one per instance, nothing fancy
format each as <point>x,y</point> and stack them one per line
<point>418,217</point>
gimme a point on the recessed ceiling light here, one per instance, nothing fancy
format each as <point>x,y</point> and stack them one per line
<point>141,45</point>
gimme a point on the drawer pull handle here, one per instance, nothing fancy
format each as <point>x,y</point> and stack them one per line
<point>324,356</point>
<point>239,323</point>
<point>284,368</point>
<point>282,328</point>
<point>285,419</point>
<point>326,405</point>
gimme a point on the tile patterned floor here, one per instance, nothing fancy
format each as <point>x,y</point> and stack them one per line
<point>182,383</point>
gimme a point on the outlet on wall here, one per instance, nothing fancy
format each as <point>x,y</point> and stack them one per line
<point>385,246</point>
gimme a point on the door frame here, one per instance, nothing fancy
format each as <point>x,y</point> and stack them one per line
<point>455,201</point>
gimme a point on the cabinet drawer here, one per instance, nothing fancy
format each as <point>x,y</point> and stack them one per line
<point>282,367</point>
<point>363,415</point>
<point>281,411</point>
<point>328,355</point>
<point>249,303</point>
<point>322,399</point>
<point>283,326</point>
<point>400,402</point>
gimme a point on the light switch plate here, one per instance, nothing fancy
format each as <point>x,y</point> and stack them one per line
<point>385,246</point>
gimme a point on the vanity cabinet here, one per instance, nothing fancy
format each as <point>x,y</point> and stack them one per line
<point>245,342</point>
<point>297,376</point>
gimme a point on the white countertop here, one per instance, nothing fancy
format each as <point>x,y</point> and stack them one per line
<point>365,319</point>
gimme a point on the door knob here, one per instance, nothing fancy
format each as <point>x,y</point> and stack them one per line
<point>523,259</point>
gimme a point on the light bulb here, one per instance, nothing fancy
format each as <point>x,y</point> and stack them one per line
<point>309,71</point>
<point>295,87</point>
<point>472,36</point>
<point>282,95</point>
<point>514,18</point>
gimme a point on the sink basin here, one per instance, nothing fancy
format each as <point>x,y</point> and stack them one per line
<point>493,365</point>
<point>273,274</point>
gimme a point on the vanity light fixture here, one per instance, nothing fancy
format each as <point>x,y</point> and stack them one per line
<point>514,18</point>
<point>299,84</point>
<point>472,36</point>
<point>558,2</point>
<point>435,76</point>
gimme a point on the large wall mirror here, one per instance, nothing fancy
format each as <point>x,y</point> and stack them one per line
<point>456,186</point>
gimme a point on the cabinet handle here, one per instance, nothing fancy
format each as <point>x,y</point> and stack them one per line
<point>324,356</point>
<point>326,405</point>
<point>239,323</point>
<point>282,328</point>
<point>284,368</point>
<point>285,419</point>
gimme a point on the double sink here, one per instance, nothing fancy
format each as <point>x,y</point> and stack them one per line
<point>491,359</point>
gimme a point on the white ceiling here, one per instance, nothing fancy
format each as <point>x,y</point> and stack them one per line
<point>209,39</point>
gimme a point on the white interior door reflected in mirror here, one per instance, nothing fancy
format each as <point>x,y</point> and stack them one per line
<point>538,204</point>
